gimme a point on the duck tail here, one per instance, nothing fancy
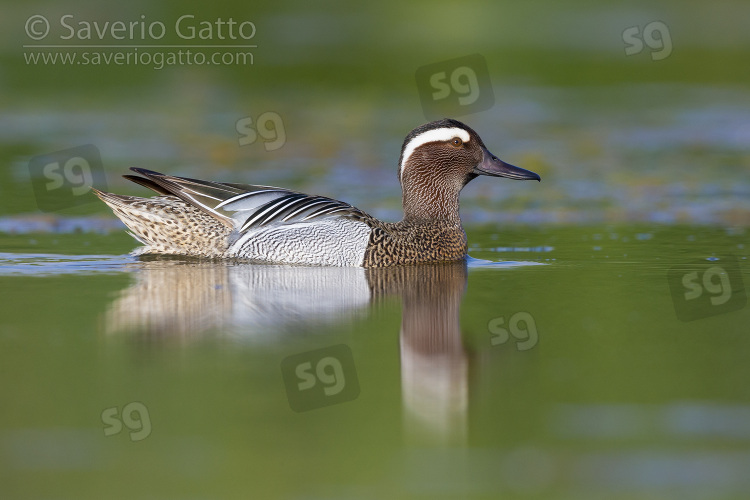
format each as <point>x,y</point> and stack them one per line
<point>168,225</point>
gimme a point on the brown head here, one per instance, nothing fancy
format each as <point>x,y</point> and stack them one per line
<point>437,160</point>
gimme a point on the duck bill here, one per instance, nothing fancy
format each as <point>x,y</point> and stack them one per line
<point>493,166</point>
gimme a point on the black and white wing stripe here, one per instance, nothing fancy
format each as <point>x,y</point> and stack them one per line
<point>297,207</point>
<point>246,206</point>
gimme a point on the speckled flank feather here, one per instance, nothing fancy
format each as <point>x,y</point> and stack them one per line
<point>168,225</point>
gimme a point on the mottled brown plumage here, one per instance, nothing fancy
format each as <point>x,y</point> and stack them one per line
<point>168,225</point>
<point>412,242</point>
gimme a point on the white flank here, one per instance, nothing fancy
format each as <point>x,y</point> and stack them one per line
<point>434,135</point>
<point>334,241</point>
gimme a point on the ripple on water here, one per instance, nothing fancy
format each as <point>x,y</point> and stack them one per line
<point>26,264</point>
<point>473,263</point>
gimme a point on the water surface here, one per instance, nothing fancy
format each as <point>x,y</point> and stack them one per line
<point>553,363</point>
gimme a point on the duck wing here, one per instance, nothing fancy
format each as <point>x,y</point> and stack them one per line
<point>244,207</point>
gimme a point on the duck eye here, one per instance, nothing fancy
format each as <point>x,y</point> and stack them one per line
<point>456,141</point>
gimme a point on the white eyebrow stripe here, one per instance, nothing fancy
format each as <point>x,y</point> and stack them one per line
<point>434,135</point>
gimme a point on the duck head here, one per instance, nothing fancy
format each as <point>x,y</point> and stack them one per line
<point>437,160</point>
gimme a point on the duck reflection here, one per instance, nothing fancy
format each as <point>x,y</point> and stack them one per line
<point>434,361</point>
<point>183,300</point>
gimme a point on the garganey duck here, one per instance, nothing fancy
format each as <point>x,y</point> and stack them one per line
<point>269,224</point>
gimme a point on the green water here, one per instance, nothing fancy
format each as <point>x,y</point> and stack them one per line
<point>598,390</point>
<point>595,346</point>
